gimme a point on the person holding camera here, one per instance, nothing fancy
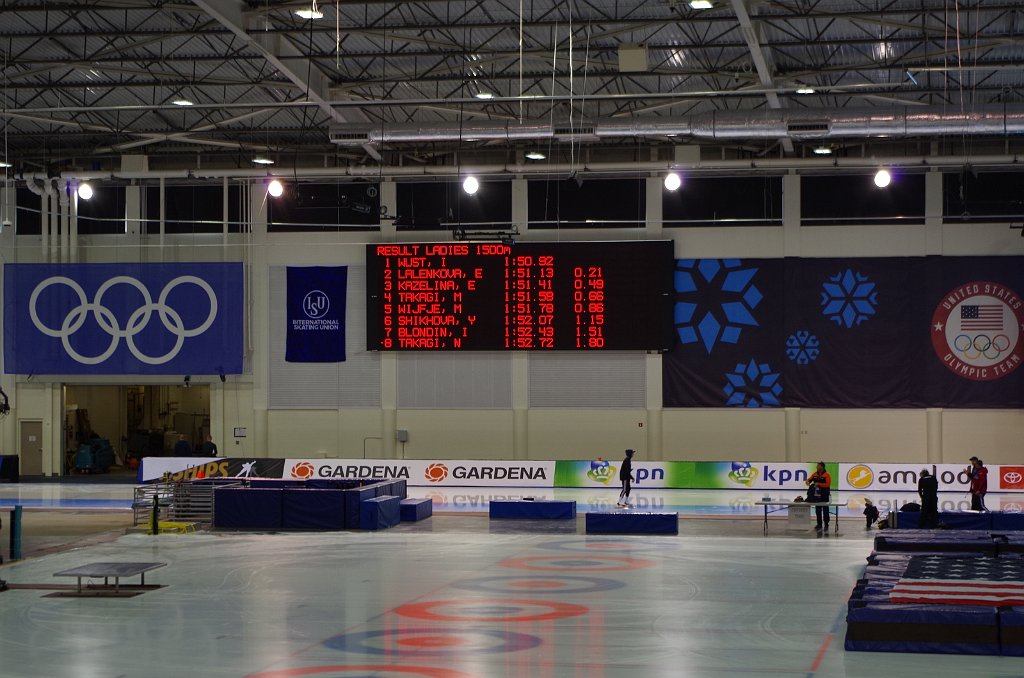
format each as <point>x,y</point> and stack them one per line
<point>819,492</point>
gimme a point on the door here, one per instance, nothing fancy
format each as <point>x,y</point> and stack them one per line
<point>31,448</point>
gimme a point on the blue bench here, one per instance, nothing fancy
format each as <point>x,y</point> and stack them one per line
<point>533,509</point>
<point>412,510</point>
<point>377,513</point>
<point>632,522</point>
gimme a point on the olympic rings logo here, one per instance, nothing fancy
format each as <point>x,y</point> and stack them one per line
<point>107,321</point>
<point>981,345</point>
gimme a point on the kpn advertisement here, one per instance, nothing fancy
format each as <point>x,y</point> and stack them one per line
<point>698,475</point>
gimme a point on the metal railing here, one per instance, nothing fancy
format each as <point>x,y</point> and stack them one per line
<point>174,501</point>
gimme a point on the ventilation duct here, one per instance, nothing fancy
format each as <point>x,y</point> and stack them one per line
<point>764,124</point>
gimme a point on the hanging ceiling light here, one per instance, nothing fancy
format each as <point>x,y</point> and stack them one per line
<point>484,95</point>
<point>262,160</point>
<point>822,150</point>
<point>85,191</point>
<point>700,4</point>
<point>183,102</point>
<point>882,178</point>
<point>535,155</point>
<point>275,188</point>
<point>673,181</point>
<point>471,185</point>
<point>311,12</point>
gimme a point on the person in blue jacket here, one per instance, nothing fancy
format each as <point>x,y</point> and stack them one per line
<point>626,476</point>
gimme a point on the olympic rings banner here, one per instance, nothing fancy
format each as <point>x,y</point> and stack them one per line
<point>866,332</point>
<point>123,318</point>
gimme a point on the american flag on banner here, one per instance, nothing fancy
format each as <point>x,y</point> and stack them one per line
<point>981,317</point>
<point>961,581</point>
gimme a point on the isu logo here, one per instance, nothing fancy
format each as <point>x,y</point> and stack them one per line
<point>302,470</point>
<point>976,331</point>
<point>435,473</point>
<point>860,476</point>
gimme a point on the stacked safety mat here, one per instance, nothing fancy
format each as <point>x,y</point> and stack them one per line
<point>942,591</point>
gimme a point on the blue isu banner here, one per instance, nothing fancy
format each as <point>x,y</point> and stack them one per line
<point>316,314</point>
<point>139,318</point>
<point>870,332</point>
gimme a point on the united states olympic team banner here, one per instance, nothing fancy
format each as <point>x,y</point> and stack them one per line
<point>870,332</point>
<point>316,314</point>
<point>783,478</point>
<point>135,318</point>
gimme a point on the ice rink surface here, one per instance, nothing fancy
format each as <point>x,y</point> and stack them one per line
<point>459,595</point>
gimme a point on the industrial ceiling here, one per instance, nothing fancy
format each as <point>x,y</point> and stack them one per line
<point>383,84</point>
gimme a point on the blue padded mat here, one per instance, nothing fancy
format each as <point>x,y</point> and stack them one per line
<point>1011,630</point>
<point>353,498</point>
<point>944,629</point>
<point>247,508</point>
<point>1007,521</point>
<point>537,509</point>
<point>632,522</point>
<point>412,510</point>
<point>312,509</point>
<point>377,513</point>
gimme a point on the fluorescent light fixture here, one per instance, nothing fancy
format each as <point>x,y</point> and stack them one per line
<point>275,188</point>
<point>85,191</point>
<point>672,182</point>
<point>260,160</point>
<point>471,185</point>
<point>309,13</point>
<point>882,178</point>
<point>701,4</point>
<point>804,89</point>
<point>484,95</point>
<point>5,164</point>
<point>182,102</point>
<point>535,155</point>
<point>822,150</point>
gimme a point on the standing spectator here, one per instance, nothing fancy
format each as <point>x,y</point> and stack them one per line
<point>978,475</point>
<point>208,448</point>
<point>870,514</point>
<point>182,448</point>
<point>626,476</point>
<point>928,489</point>
<point>821,480</point>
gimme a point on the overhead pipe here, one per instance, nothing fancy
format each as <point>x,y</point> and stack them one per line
<point>718,125</point>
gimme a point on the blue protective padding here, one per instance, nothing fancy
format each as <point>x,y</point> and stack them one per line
<point>936,541</point>
<point>538,510</point>
<point>1007,521</point>
<point>632,522</point>
<point>416,509</point>
<point>274,483</point>
<point>1011,631</point>
<point>966,521</point>
<point>926,613</point>
<point>377,513</point>
<point>353,498</point>
<point>331,483</point>
<point>247,508</point>
<point>401,488</point>
<point>308,509</point>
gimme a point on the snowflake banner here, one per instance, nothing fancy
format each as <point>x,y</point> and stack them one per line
<point>871,332</point>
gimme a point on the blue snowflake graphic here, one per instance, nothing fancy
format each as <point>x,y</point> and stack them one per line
<point>802,347</point>
<point>753,385</point>
<point>722,320</point>
<point>849,298</point>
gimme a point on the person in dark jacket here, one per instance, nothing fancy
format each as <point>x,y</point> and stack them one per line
<point>870,514</point>
<point>821,482</point>
<point>626,476</point>
<point>928,489</point>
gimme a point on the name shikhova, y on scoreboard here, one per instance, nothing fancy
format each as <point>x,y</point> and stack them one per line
<point>532,296</point>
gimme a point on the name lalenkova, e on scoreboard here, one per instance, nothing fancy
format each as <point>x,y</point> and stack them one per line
<point>524,296</point>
